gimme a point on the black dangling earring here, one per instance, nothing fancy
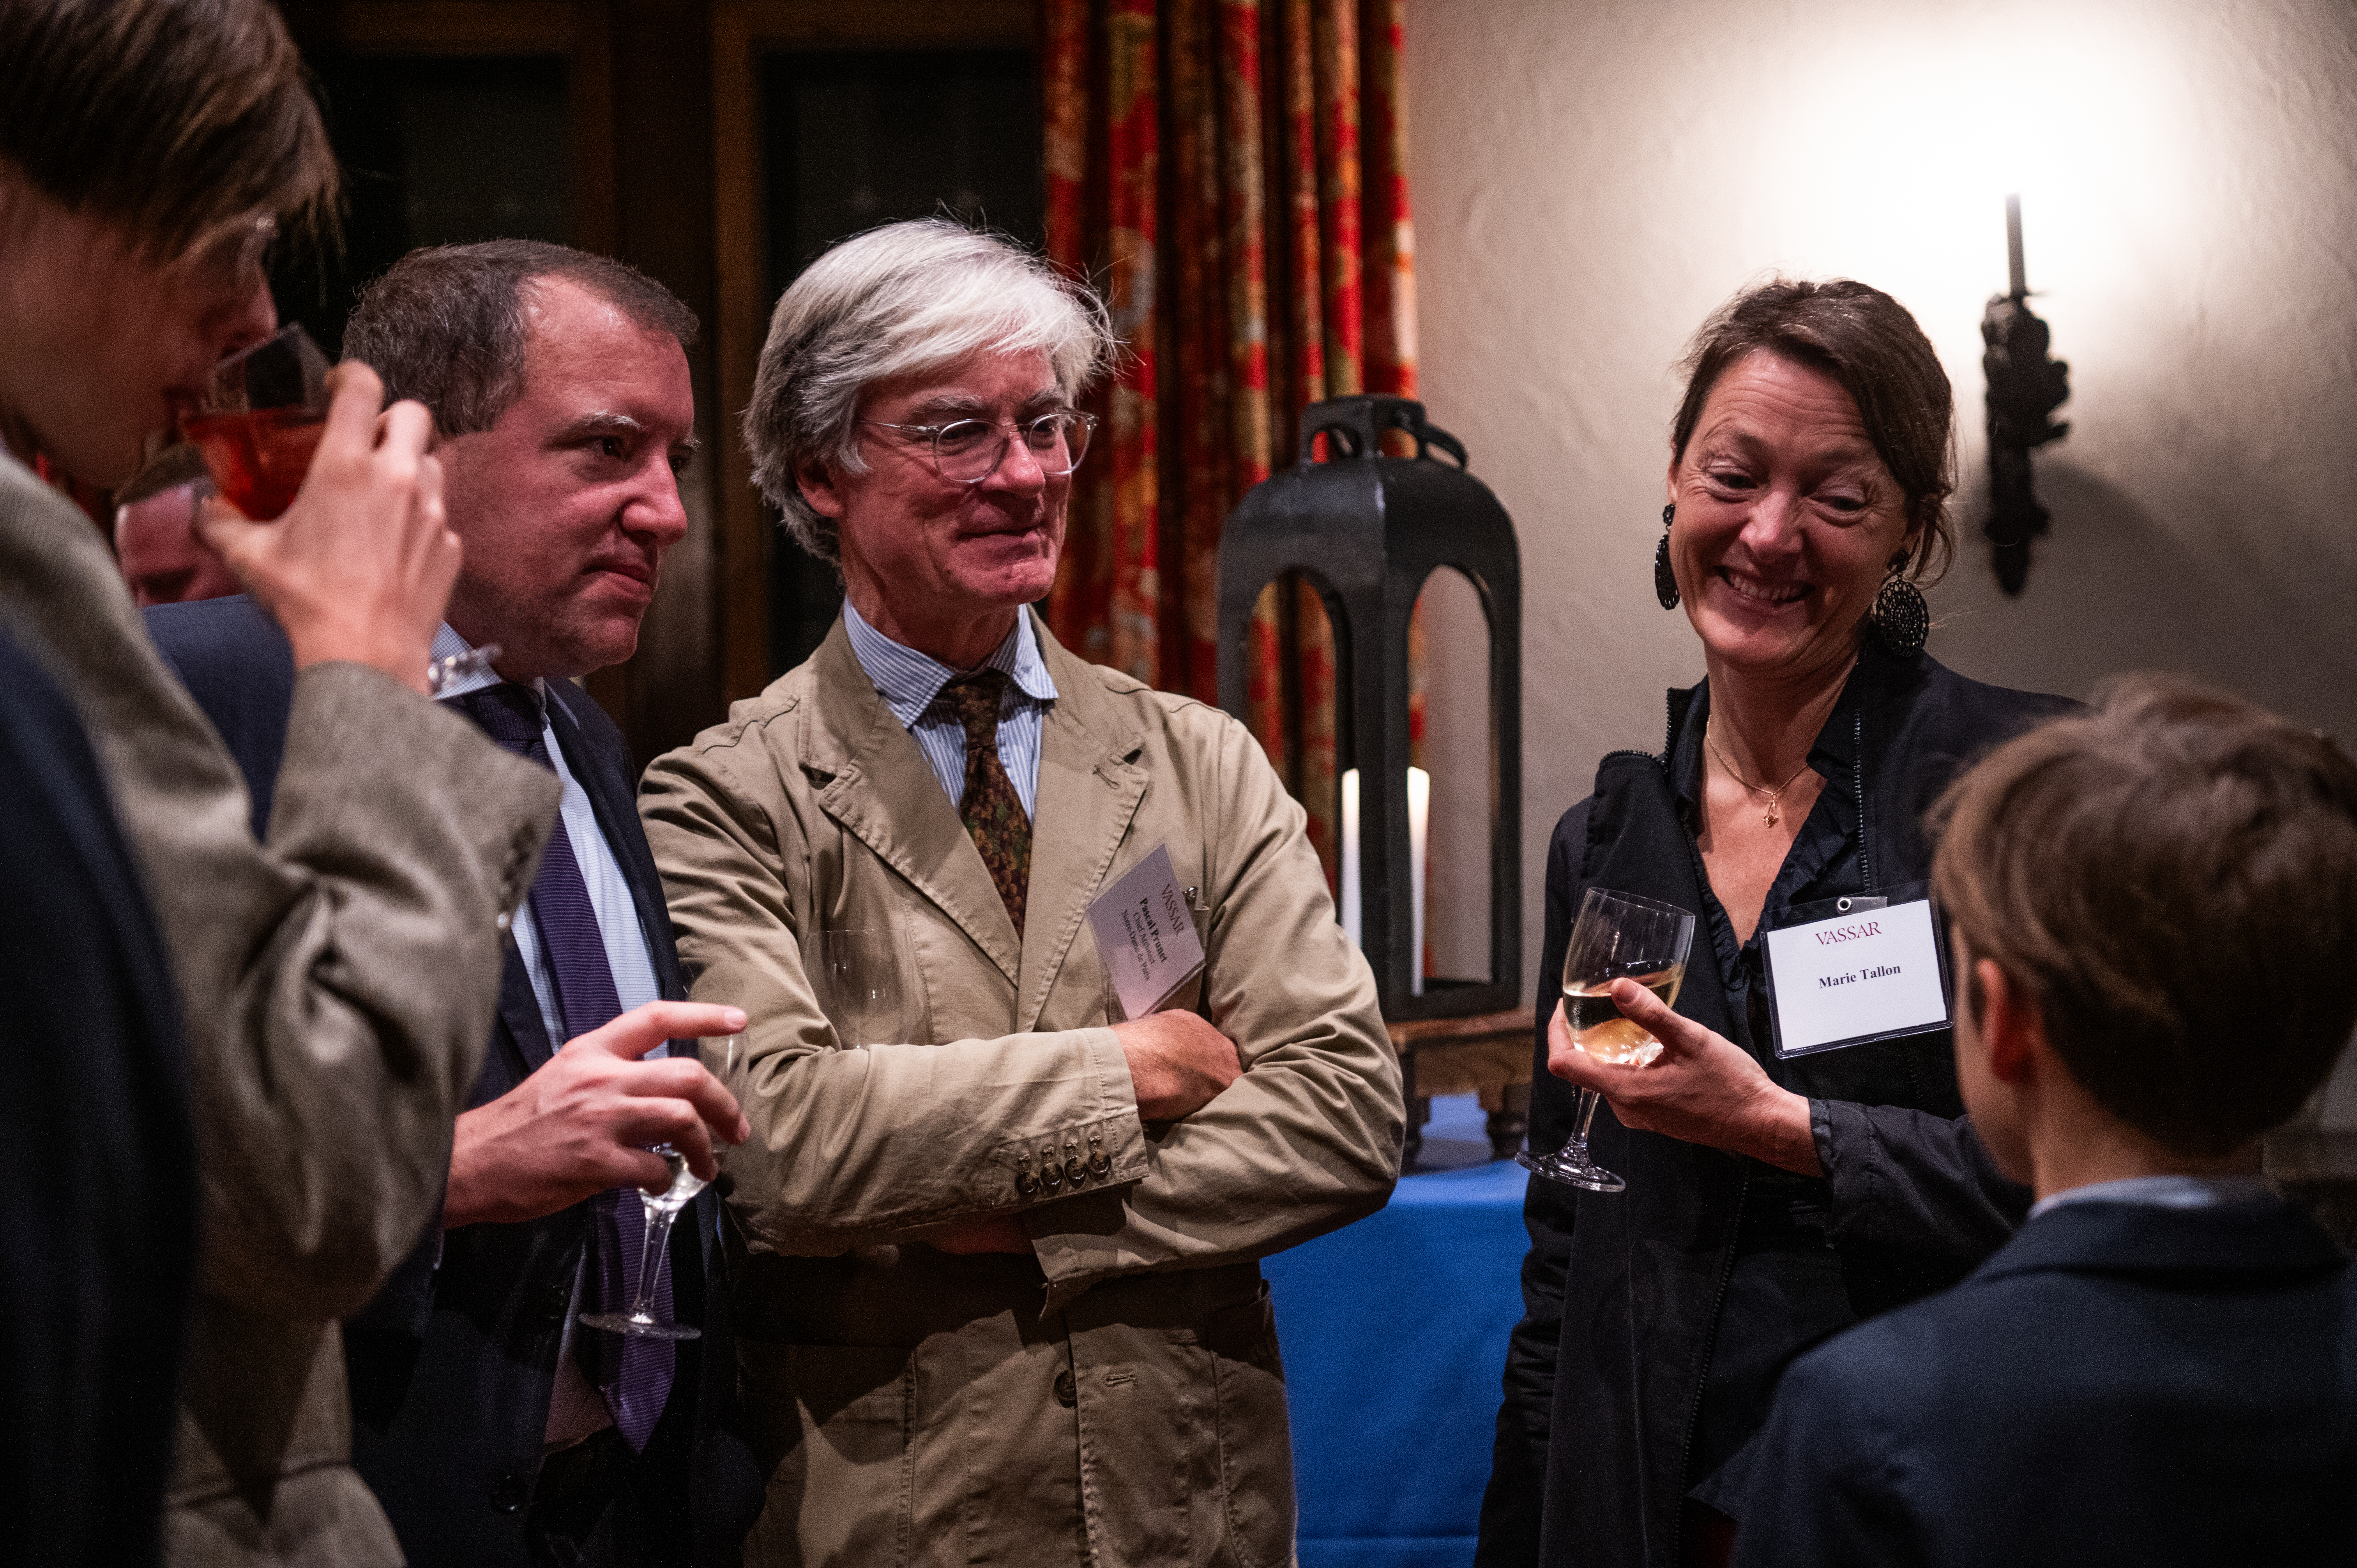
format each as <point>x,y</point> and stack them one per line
<point>1666,580</point>
<point>1901,620</point>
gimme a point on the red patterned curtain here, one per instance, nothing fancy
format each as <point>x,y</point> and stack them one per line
<point>1233,174</point>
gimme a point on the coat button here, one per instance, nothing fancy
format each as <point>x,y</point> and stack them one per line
<point>509,1494</point>
<point>555,1304</point>
<point>1068,1393</point>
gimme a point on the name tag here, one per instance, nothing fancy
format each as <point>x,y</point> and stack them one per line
<point>1870,971</point>
<point>1144,935</point>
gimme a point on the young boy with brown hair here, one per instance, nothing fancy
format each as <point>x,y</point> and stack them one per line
<point>2153,914</point>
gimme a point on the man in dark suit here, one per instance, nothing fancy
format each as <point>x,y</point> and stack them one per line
<point>2154,911</point>
<point>99,1260</point>
<point>494,1426</point>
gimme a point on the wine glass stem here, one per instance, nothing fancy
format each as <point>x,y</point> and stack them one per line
<point>650,1261</point>
<point>1588,1099</point>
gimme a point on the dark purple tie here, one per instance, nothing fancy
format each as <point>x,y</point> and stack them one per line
<point>634,1374</point>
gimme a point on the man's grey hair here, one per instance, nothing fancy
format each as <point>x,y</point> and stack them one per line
<point>904,299</point>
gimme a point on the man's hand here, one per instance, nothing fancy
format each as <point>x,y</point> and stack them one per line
<point>575,1127</point>
<point>360,567</point>
<point>1178,1063</point>
<point>1702,1087</point>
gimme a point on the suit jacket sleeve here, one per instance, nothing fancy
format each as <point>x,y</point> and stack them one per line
<point>1828,1488</point>
<point>335,980</point>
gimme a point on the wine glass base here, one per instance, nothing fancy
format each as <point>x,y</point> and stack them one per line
<point>1573,1168</point>
<point>623,1322</point>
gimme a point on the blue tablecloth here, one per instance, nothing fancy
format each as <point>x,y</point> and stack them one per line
<point>1395,1335</point>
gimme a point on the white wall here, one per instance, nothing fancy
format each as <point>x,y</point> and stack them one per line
<point>1592,178</point>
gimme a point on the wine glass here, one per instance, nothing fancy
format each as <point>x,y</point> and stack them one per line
<point>1617,936</point>
<point>860,980</point>
<point>259,420</point>
<point>258,424</point>
<point>661,1208</point>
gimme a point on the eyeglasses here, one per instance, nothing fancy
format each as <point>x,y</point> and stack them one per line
<point>968,451</point>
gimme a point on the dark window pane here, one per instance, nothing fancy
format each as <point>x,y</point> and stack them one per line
<point>436,152</point>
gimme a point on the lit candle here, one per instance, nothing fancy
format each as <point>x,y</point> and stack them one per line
<point>2014,268</point>
<point>1419,816</point>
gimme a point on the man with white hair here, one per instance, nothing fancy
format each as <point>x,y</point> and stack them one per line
<point>996,1286</point>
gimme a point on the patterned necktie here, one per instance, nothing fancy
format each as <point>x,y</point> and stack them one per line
<point>634,1374</point>
<point>992,812</point>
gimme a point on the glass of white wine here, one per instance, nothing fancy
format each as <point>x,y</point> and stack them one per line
<point>1617,936</point>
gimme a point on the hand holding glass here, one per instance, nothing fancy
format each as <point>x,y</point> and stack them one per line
<point>258,423</point>
<point>661,1208</point>
<point>1616,936</point>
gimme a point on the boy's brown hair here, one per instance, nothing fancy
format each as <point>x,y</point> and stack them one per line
<point>2173,880</point>
<point>173,118</point>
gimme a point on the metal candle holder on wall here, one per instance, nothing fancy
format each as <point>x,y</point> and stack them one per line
<point>1366,529</point>
<point>2024,385</point>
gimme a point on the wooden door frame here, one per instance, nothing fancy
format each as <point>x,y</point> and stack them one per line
<point>742,32</point>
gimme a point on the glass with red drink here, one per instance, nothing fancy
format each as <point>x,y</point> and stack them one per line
<point>259,420</point>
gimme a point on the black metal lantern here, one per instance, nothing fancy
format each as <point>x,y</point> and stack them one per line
<point>1366,529</point>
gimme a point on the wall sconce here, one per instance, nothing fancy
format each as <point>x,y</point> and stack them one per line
<point>2024,385</point>
<point>1366,529</point>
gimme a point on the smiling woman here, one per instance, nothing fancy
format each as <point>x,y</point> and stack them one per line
<point>1810,465</point>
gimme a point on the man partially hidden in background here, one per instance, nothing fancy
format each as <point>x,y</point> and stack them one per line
<point>2155,910</point>
<point>494,1427</point>
<point>165,560</point>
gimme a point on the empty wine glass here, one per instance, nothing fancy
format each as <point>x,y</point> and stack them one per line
<point>1617,936</point>
<point>859,978</point>
<point>661,1208</point>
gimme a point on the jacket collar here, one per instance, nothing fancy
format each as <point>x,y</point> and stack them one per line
<point>873,779</point>
<point>2266,1236</point>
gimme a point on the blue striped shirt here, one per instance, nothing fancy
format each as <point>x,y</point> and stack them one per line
<point>911,684</point>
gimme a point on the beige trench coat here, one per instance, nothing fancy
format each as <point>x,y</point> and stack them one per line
<point>1115,1397</point>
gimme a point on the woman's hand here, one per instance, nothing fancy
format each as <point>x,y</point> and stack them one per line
<point>1702,1087</point>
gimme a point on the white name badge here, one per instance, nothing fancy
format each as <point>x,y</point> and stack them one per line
<point>1869,971</point>
<point>1146,935</point>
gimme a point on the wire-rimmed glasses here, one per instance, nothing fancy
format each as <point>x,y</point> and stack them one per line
<point>968,451</point>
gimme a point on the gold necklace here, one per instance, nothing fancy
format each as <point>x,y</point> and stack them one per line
<point>1771,816</point>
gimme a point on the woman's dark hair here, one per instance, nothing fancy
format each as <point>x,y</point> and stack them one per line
<point>170,118</point>
<point>2172,879</point>
<point>1866,341</point>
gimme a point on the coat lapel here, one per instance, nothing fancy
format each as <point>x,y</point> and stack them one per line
<point>1090,787</point>
<point>884,793</point>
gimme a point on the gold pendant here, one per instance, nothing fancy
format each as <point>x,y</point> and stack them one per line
<point>1768,816</point>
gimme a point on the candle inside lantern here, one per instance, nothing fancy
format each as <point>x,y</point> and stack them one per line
<point>2014,269</point>
<point>1419,815</point>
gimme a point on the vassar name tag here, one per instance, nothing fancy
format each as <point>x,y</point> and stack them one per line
<point>1144,935</point>
<point>1865,975</point>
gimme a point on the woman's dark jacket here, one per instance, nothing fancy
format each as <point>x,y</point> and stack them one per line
<point>1605,1377</point>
